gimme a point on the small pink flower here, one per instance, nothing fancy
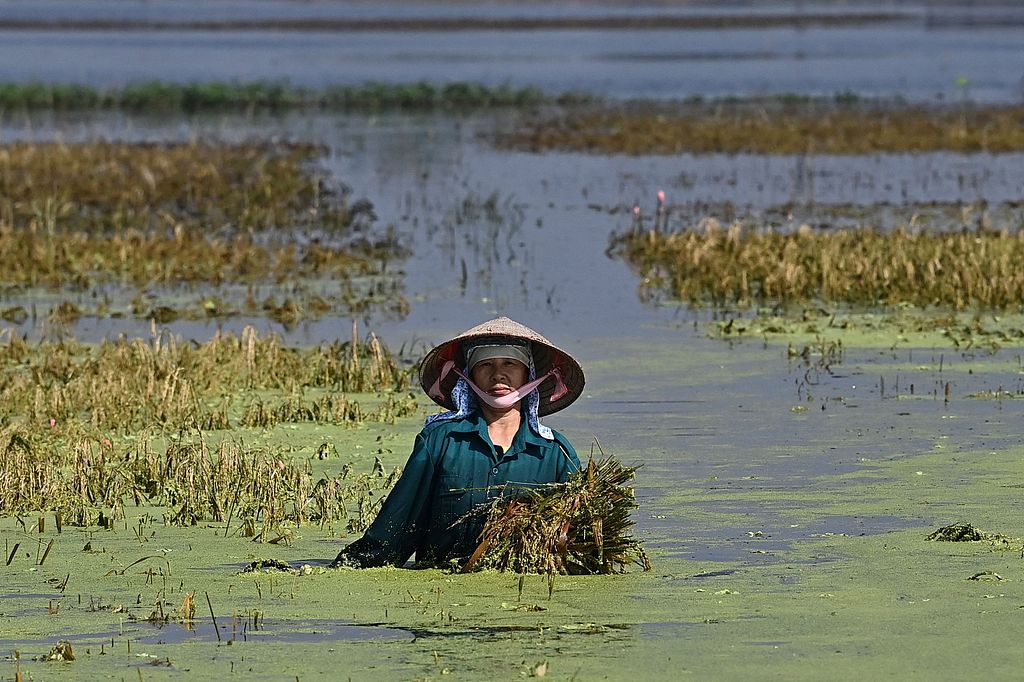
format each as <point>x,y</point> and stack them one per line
<point>108,443</point>
<point>661,196</point>
<point>636,210</point>
<point>53,423</point>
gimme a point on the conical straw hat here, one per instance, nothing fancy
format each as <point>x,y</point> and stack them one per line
<point>546,356</point>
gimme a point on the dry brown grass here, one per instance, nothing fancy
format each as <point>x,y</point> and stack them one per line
<point>166,219</point>
<point>105,187</point>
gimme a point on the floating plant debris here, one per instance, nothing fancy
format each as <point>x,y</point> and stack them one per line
<point>748,266</point>
<point>965,532</point>
<point>963,330</point>
<point>792,125</point>
<point>61,651</point>
<point>260,565</point>
<point>578,527</point>
<point>959,532</point>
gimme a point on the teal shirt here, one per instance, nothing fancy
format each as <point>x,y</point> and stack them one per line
<point>453,468</point>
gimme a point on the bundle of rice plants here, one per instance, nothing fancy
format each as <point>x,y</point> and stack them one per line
<point>578,527</point>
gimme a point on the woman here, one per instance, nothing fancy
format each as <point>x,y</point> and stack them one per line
<point>496,380</point>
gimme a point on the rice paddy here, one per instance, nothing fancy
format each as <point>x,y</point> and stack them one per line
<point>123,229</point>
<point>266,495</point>
<point>742,265</point>
<point>80,424</point>
<point>127,227</point>
<point>128,385</point>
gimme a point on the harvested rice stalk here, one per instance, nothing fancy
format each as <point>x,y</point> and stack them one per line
<point>578,527</point>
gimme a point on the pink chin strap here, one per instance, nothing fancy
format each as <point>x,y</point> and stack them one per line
<point>505,401</point>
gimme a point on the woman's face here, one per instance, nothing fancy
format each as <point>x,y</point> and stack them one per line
<point>499,376</point>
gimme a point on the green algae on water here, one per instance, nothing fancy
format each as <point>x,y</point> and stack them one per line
<point>824,597</point>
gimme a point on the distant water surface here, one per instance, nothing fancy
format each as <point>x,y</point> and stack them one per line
<point>917,51</point>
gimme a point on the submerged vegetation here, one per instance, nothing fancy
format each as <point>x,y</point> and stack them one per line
<point>740,265</point>
<point>105,187</point>
<point>152,219</point>
<point>578,527</point>
<point>167,97</point>
<point>581,121</point>
<point>78,427</point>
<point>773,126</point>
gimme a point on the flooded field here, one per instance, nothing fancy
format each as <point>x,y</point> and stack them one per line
<point>793,458</point>
<point>790,468</point>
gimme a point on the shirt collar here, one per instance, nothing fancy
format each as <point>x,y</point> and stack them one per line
<point>525,440</point>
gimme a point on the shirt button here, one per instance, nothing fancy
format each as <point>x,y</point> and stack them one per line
<point>494,470</point>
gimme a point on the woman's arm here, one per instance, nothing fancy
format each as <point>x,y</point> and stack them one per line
<point>403,519</point>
